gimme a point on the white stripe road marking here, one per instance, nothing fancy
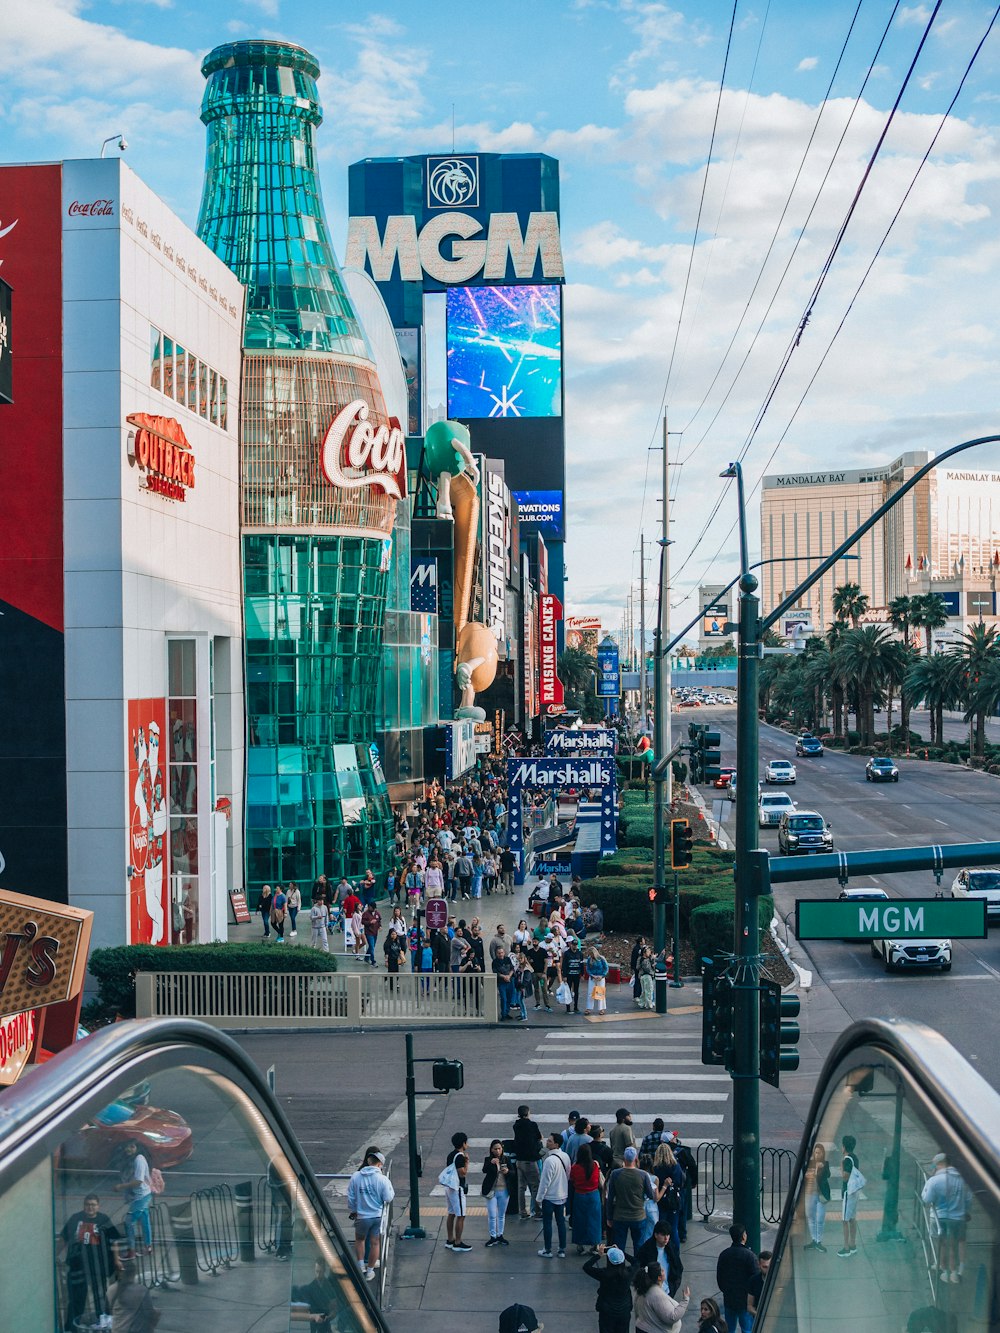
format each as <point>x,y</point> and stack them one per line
<point>581,1077</point>
<point>604,1035</point>
<point>603,1048</point>
<point>595,1062</point>
<point>635,1096</point>
<point>674,1119</point>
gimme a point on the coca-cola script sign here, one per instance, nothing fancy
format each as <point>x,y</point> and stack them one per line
<point>94,208</point>
<point>356,453</point>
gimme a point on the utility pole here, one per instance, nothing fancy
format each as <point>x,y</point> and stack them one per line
<point>661,722</point>
<point>642,631</point>
<point>664,614</point>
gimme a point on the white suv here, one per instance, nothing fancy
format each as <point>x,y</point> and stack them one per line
<point>913,953</point>
<point>980,884</point>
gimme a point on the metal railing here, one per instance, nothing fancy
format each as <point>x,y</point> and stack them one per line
<point>213,1214</point>
<point>715,1174</point>
<point>316,999</point>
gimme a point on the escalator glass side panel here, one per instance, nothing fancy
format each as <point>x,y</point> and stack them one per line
<point>893,1220</point>
<point>170,1184</point>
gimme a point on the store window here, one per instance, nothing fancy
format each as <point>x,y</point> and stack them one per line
<point>182,703</point>
<point>191,382</point>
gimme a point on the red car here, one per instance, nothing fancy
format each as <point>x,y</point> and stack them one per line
<point>164,1137</point>
<point>723,779</point>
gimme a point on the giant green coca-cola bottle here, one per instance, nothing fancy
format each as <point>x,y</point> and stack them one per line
<point>321,471</point>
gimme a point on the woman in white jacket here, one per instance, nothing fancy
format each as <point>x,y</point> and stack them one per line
<point>656,1311</point>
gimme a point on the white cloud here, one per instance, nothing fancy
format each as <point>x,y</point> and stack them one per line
<point>806,63</point>
<point>916,15</point>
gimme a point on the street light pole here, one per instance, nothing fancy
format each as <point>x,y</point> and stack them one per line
<point>746,945</point>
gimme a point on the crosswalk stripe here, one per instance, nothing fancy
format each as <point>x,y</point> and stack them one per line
<point>610,1096</point>
<point>600,1035</point>
<point>674,1119</point>
<point>599,1062</point>
<point>625,1052</point>
<point>621,1077</point>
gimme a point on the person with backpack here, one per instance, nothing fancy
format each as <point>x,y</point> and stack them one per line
<point>852,1183</point>
<point>688,1163</point>
<point>279,911</point>
<point>670,1192</point>
<point>135,1182</point>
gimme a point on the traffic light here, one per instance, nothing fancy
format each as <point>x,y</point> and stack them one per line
<point>681,842</point>
<point>776,1035</point>
<point>658,895</point>
<point>694,732</point>
<point>716,1017</point>
<point>709,743</point>
<point>447,1075</point>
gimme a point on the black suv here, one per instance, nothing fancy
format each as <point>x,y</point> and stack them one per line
<point>803,831</point>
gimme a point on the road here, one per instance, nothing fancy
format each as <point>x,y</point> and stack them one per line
<point>931,803</point>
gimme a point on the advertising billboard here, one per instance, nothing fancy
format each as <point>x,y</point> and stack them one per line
<point>6,345</point>
<point>408,341</point>
<point>609,680</point>
<point>495,544</point>
<point>541,511</point>
<point>148,877</point>
<point>551,695</point>
<point>504,350</point>
<point>714,624</point>
<point>424,584</point>
<point>583,633</point>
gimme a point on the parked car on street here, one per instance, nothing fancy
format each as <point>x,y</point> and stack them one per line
<point>984,884</point>
<point>880,768</point>
<point>771,806</point>
<point>780,770</point>
<point>808,746</point>
<point>801,831</point>
<point>913,954</point>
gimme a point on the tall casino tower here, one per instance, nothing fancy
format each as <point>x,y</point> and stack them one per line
<point>322,469</point>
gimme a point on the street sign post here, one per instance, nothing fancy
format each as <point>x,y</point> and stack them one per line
<point>892,919</point>
<point>436,913</point>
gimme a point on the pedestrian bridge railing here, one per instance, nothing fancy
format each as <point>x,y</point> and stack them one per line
<point>316,999</point>
<point>715,1176</point>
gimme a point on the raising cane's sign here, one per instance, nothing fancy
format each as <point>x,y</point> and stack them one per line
<point>550,689</point>
<point>161,449</point>
<point>355,452</point>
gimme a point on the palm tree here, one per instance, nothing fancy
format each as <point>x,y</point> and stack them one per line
<point>933,680</point>
<point>978,650</point>
<point>929,611</point>
<point>901,615</point>
<point>910,656</point>
<point>897,663</point>
<point>850,603</point>
<point>837,684</point>
<point>863,657</point>
<point>984,698</point>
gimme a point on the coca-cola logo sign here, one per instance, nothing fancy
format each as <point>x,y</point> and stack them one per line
<point>356,453</point>
<point>96,208</point>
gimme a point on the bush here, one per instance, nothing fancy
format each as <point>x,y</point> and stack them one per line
<point>712,926</point>
<point>114,969</point>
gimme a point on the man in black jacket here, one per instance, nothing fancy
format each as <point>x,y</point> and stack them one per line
<point>572,967</point>
<point>441,949</point>
<point>614,1295</point>
<point>660,1249</point>
<point>734,1272</point>
<point>527,1151</point>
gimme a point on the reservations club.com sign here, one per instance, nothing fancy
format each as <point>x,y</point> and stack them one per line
<point>551,694</point>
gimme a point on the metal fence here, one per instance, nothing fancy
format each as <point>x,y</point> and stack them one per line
<point>316,999</point>
<point>215,1228</point>
<point>715,1175</point>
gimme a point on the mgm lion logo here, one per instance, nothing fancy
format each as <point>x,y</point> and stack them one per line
<point>452,182</point>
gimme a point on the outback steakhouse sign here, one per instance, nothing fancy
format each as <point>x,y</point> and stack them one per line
<point>162,451</point>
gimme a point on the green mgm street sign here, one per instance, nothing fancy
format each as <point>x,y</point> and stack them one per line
<point>894,918</point>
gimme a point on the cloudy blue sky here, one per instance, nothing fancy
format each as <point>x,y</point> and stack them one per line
<point>624,93</point>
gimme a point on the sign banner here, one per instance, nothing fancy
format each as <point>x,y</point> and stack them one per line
<point>17,1037</point>
<point>551,694</point>
<point>496,555</point>
<point>714,624</point>
<point>609,679</point>
<point>147,798</point>
<point>238,902</point>
<point>583,632</point>
<point>424,584</point>
<point>459,747</point>
<point>600,740</point>
<point>6,345</point>
<point>43,952</point>
<point>890,919</point>
<point>542,511</point>
<point>596,776</point>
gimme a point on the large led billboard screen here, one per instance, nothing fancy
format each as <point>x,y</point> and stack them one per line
<point>504,347</point>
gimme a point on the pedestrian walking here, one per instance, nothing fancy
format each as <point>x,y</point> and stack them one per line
<point>498,1180</point>
<point>499,941</point>
<point>572,967</point>
<point>601,1150</point>
<point>524,984</point>
<point>294,905</point>
<point>527,1151</point>
<point>522,936</point>
<point>607,1267</point>
<point>368,1191</point>
<point>539,963</point>
<point>319,921</point>
<point>628,1189</point>
<point>553,1192</point>
<point>637,949</point>
<point>646,971</point>
<point>688,1163</point>
<point>579,1135</point>
<point>734,1271</point>
<point>662,1249</point>
<point>358,929</point>
<point>463,872</point>
<point>817,1196</point>
<point>586,1202</point>
<point>947,1193</point>
<point>135,1182</point>
<point>670,1189</point>
<point>852,1183</point>
<point>508,864</point>
<point>597,973</point>
<point>264,903</point>
<point>371,924</point>
<point>503,969</point>
<point>434,878</point>
<point>453,1178</point>
<point>394,948</point>
<point>655,1310</point>
<point>279,913</point>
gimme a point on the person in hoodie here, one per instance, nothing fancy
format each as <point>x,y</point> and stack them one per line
<point>368,1191</point>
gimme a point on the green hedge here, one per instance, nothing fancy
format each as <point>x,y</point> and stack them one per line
<point>114,969</point>
<point>712,926</point>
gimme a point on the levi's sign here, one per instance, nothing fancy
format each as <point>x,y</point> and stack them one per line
<point>890,919</point>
